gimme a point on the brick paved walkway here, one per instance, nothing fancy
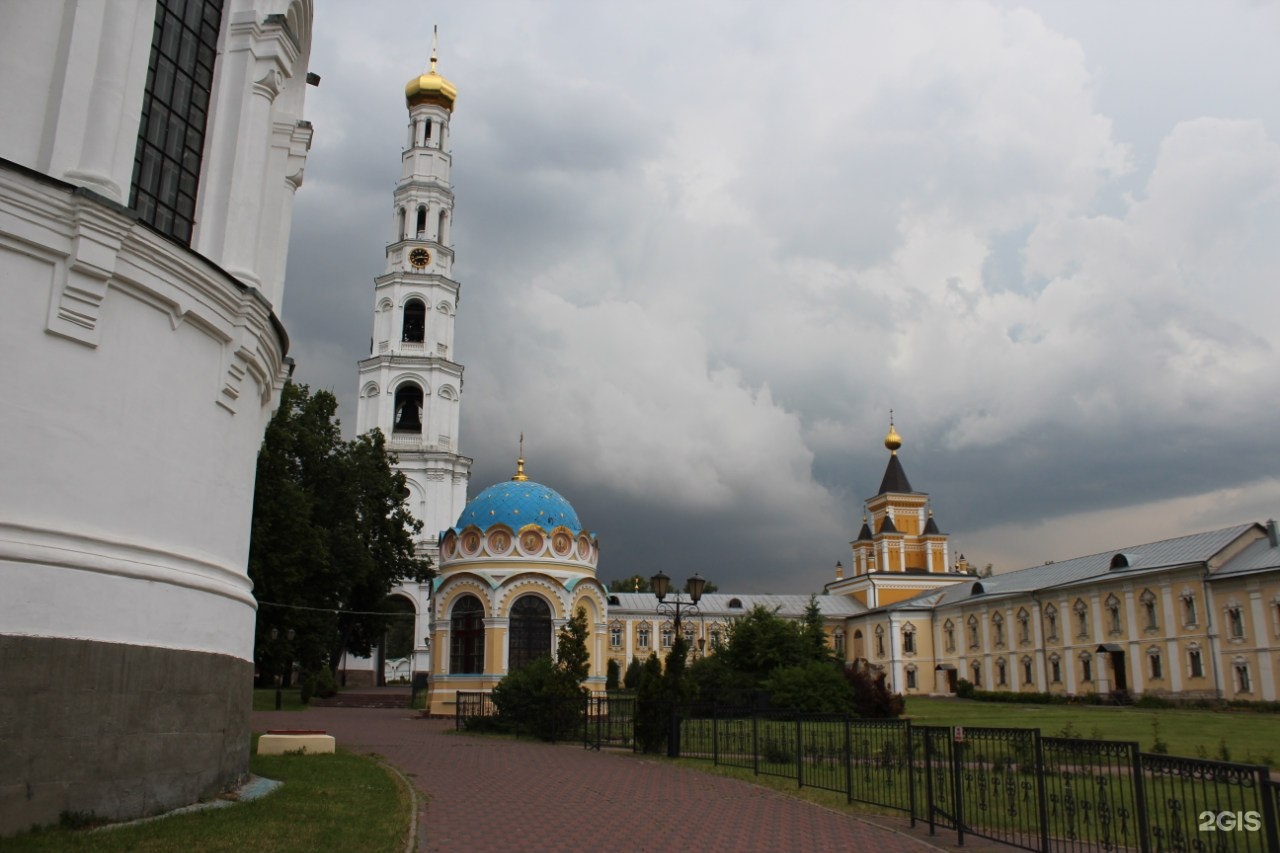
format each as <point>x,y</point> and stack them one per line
<point>482,795</point>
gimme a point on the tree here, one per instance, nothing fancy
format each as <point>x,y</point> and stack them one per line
<point>613,675</point>
<point>762,641</point>
<point>639,583</point>
<point>331,536</point>
<point>546,697</point>
<point>631,680</point>
<point>813,633</point>
<point>635,583</point>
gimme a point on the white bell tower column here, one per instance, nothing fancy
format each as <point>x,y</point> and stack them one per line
<point>410,385</point>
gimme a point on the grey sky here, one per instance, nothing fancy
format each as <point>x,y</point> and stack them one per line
<point>705,247</point>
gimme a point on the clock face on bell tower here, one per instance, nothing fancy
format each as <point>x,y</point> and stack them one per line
<point>419,258</point>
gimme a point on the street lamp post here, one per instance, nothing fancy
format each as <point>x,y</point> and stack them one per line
<point>275,641</point>
<point>676,608</point>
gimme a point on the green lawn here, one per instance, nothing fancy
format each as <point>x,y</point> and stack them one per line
<point>341,802</point>
<point>264,699</point>
<point>1249,736</point>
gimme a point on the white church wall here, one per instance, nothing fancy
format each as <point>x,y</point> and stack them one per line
<point>140,376</point>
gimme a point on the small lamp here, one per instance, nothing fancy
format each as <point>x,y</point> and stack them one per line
<point>695,585</point>
<point>660,583</point>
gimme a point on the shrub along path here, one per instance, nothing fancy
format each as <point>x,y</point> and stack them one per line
<point>485,794</point>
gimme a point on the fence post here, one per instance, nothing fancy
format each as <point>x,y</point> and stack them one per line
<point>1042,807</point>
<point>715,734</point>
<point>1140,799</point>
<point>911,773</point>
<point>957,785</point>
<point>755,741</point>
<point>799,753</point>
<point>848,760</point>
<point>928,780</point>
<point>1269,791</point>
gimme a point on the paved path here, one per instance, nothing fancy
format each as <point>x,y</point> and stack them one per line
<point>483,795</point>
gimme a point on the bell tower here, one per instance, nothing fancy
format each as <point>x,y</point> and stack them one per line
<point>410,384</point>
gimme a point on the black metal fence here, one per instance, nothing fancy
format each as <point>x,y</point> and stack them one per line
<point>1051,794</point>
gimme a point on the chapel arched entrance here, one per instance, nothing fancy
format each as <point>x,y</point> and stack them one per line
<point>530,634</point>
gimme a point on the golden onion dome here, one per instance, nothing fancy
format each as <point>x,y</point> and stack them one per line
<point>892,441</point>
<point>431,88</point>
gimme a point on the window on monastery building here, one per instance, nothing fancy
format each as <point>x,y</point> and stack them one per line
<point>466,636</point>
<point>717,638</point>
<point>1243,684</point>
<point>735,604</point>
<point>911,678</point>
<point>909,640</point>
<point>975,674</point>
<point>175,106</point>
<point>974,638</point>
<point>1188,609</point>
<point>1235,622</point>
<point>1195,663</point>
<point>615,636</point>
<point>1055,669</point>
<point>838,639</point>
<point>1027,677</point>
<point>1148,600</point>
<point>1024,627</point>
<point>997,627</point>
<point>642,636</point>
<point>1051,622</point>
<point>426,131</point>
<point>415,322</point>
<point>949,635</point>
<point>1002,674</point>
<point>879,641</point>
<point>1155,666</point>
<point>530,633</point>
<point>1086,667</point>
<point>1113,614</point>
<point>668,636</point>
<point>1082,618</point>
<point>688,638</point>
<point>421,225</point>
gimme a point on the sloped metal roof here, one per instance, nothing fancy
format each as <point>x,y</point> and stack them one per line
<point>717,604</point>
<point>1257,556</point>
<point>1196,548</point>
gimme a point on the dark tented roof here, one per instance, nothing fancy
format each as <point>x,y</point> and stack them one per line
<point>895,479</point>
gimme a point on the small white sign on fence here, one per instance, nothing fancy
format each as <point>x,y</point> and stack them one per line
<point>959,734</point>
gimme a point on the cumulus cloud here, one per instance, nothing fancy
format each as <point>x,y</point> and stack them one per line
<point>701,262</point>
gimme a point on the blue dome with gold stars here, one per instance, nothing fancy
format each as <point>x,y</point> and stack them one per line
<point>517,503</point>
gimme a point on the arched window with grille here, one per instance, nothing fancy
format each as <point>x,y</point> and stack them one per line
<point>530,636</point>
<point>466,636</point>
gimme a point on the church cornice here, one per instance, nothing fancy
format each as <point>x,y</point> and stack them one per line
<point>415,362</point>
<point>418,279</point>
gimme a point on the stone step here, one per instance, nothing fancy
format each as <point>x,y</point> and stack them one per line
<point>354,699</point>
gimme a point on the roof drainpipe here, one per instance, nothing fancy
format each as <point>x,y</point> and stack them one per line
<point>1273,536</point>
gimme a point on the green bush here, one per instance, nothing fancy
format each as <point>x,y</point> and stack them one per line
<point>813,687</point>
<point>320,683</point>
<point>871,696</point>
<point>964,689</point>
<point>612,674</point>
<point>541,699</point>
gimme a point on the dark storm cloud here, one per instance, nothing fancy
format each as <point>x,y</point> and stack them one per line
<point>699,263</point>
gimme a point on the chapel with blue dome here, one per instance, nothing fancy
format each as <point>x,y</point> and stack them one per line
<point>513,569</point>
<point>516,503</point>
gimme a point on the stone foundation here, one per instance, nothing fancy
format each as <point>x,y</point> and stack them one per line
<point>115,730</point>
